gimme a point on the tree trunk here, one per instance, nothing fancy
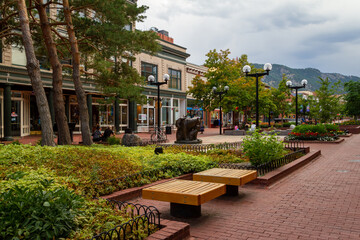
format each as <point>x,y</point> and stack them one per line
<point>59,104</point>
<point>80,93</point>
<point>33,69</point>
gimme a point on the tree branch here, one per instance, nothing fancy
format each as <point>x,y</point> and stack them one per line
<point>58,24</point>
<point>81,70</point>
<point>10,34</point>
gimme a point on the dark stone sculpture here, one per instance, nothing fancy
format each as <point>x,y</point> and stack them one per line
<point>131,140</point>
<point>187,129</point>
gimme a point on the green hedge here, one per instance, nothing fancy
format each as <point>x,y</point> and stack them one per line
<point>310,128</point>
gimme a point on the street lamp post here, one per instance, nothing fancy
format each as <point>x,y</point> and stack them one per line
<point>226,88</point>
<point>151,80</point>
<point>246,70</point>
<point>303,85</point>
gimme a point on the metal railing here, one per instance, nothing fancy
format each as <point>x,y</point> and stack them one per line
<point>294,145</point>
<point>264,168</point>
<point>203,147</point>
<point>145,220</point>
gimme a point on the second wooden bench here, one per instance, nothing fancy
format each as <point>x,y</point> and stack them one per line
<point>233,178</point>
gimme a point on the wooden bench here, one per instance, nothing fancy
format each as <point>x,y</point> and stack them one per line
<point>233,178</point>
<point>185,196</point>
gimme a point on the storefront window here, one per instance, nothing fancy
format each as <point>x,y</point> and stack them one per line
<point>123,115</point>
<point>74,113</point>
<point>166,115</point>
<point>106,113</point>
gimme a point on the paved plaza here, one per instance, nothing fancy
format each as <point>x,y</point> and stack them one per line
<point>319,201</point>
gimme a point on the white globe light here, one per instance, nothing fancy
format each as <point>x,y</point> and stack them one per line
<point>226,88</point>
<point>288,83</point>
<point>246,69</point>
<point>304,82</point>
<point>214,89</point>
<point>166,77</point>
<point>267,67</point>
<point>151,78</point>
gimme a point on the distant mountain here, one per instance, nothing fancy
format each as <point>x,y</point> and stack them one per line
<point>296,75</point>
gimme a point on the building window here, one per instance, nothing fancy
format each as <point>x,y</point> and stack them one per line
<point>148,69</point>
<point>175,79</point>
<point>18,56</point>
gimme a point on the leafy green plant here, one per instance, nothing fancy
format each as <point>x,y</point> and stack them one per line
<point>286,124</point>
<point>113,141</point>
<point>320,128</point>
<point>331,127</point>
<point>262,148</point>
<point>39,213</point>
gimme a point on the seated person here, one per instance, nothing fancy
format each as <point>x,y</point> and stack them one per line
<point>97,134</point>
<point>107,133</point>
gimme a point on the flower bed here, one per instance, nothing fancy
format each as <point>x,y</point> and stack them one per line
<point>320,132</point>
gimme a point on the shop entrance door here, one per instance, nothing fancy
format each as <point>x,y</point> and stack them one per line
<point>15,118</point>
<point>151,117</point>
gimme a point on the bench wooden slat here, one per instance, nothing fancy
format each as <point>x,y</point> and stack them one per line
<point>184,192</point>
<point>235,177</point>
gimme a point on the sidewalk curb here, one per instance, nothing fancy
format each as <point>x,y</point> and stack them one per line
<point>285,170</point>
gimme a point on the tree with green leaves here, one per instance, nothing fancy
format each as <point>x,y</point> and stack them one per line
<point>352,98</point>
<point>327,106</point>
<point>280,96</point>
<point>223,71</point>
<point>99,36</point>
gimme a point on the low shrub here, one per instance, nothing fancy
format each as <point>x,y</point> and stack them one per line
<point>277,125</point>
<point>113,141</point>
<point>310,128</point>
<point>286,124</point>
<point>262,148</point>
<point>312,136</point>
<point>331,128</point>
<point>350,122</point>
<point>38,213</point>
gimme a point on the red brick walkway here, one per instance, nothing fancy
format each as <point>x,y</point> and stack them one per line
<point>318,201</point>
<point>33,139</point>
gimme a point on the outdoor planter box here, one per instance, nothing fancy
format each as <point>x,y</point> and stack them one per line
<point>354,129</point>
<point>234,132</point>
<point>340,140</point>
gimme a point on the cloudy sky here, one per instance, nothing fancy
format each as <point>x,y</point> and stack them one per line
<point>323,34</point>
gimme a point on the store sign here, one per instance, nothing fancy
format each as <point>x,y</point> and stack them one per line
<point>142,117</point>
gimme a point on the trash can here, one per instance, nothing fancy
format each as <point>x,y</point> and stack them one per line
<point>168,129</point>
<point>128,130</point>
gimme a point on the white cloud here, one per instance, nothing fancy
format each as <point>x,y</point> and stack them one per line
<point>322,34</point>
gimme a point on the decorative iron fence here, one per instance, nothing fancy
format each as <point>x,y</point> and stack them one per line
<point>146,222</point>
<point>203,147</point>
<point>294,145</point>
<point>264,168</point>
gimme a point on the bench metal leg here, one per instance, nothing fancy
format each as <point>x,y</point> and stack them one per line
<point>184,211</point>
<point>232,190</point>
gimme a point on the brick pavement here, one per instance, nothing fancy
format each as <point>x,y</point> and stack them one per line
<point>206,136</point>
<point>319,201</point>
